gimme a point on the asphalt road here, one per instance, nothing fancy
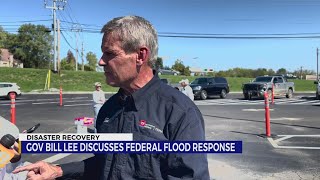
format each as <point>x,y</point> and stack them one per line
<point>226,119</point>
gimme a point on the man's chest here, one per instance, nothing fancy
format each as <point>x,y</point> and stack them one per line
<point>143,126</point>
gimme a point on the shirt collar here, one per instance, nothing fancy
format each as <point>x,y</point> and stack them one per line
<point>141,95</point>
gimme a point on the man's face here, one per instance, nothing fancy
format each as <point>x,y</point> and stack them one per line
<point>119,67</point>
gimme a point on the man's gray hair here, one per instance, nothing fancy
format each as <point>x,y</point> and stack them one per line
<point>134,32</point>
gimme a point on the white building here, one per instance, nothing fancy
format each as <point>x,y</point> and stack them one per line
<point>199,71</point>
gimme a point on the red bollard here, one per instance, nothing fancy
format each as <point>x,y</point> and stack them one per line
<point>60,96</point>
<point>267,114</point>
<point>272,98</point>
<point>13,107</point>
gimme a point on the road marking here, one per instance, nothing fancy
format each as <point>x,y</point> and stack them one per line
<point>47,103</point>
<point>10,104</point>
<point>286,118</point>
<point>255,110</point>
<point>310,135</point>
<point>58,102</point>
<point>275,145</point>
<point>29,100</point>
<point>78,105</point>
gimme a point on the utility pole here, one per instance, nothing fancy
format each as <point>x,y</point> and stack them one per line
<point>301,72</point>
<point>82,58</point>
<point>77,28</point>
<point>54,7</point>
<point>317,65</point>
<point>58,53</point>
<point>77,51</point>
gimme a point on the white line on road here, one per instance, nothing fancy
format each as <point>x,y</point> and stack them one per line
<point>47,103</point>
<point>10,104</point>
<point>286,118</point>
<point>275,145</point>
<point>310,135</point>
<point>52,99</point>
<point>63,101</point>
<point>78,104</point>
<point>255,110</point>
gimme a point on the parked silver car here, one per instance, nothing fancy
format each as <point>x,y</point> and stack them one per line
<point>168,72</point>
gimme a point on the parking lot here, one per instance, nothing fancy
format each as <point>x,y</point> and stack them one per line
<point>291,153</point>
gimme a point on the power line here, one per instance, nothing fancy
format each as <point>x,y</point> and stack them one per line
<point>82,24</point>
<point>27,21</point>
<point>67,41</point>
<point>63,17</point>
<point>239,37</point>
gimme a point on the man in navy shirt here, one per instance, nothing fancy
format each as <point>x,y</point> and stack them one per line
<point>143,106</point>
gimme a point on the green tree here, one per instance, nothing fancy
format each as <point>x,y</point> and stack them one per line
<point>260,72</point>
<point>70,58</point>
<point>65,65</point>
<point>32,45</point>
<point>271,72</point>
<point>178,66</point>
<point>211,74</point>
<point>282,71</point>
<point>186,71</point>
<point>92,61</point>
<point>3,38</point>
<point>158,64</point>
<point>221,74</point>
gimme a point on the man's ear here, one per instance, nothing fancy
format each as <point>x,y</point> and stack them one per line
<point>143,55</point>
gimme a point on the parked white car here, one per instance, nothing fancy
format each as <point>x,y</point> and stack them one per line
<point>6,88</point>
<point>318,90</point>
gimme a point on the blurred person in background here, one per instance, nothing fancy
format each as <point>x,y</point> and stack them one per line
<point>186,89</point>
<point>98,100</point>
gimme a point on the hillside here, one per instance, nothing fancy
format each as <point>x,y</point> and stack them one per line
<point>34,79</point>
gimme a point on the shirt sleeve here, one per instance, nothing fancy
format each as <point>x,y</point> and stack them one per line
<point>190,93</point>
<point>190,127</point>
<point>86,169</point>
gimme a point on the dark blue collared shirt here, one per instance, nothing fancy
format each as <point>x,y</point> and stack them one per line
<point>153,113</point>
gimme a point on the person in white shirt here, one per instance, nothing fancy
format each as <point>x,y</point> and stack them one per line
<point>98,100</point>
<point>186,89</point>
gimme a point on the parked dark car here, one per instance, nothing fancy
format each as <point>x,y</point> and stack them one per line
<point>165,81</point>
<point>209,86</point>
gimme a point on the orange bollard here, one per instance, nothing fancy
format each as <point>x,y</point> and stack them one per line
<point>267,114</point>
<point>60,96</point>
<point>272,98</point>
<point>13,107</point>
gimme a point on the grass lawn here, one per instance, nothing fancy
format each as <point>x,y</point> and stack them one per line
<point>34,79</point>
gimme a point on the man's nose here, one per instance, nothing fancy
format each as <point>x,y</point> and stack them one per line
<point>101,62</point>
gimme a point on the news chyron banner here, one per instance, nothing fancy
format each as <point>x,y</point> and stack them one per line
<point>118,143</point>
